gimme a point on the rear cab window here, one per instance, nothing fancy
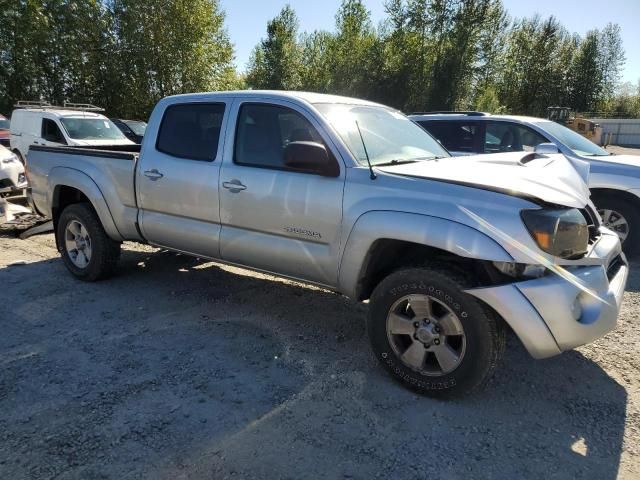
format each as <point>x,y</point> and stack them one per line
<point>456,136</point>
<point>191,131</point>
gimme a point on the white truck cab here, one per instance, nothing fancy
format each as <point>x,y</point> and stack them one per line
<point>35,123</point>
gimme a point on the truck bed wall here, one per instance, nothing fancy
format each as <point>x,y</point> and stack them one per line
<point>111,169</point>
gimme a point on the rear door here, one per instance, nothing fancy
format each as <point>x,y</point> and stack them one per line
<point>275,218</point>
<point>460,137</point>
<point>177,179</point>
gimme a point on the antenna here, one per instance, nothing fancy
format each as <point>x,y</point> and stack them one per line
<point>366,154</point>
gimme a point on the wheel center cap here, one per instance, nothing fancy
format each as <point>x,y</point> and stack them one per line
<point>425,335</point>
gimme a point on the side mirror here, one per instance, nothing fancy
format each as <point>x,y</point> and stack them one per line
<point>546,149</point>
<point>310,157</point>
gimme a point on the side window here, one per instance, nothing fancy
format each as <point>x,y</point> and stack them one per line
<point>51,132</point>
<point>455,136</point>
<point>191,131</point>
<point>511,137</point>
<point>264,131</point>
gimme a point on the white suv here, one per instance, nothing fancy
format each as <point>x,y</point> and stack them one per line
<point>72,124</point>
<point>12,179</point>
<point>614,180</point>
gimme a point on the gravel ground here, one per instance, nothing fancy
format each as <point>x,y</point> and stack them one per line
<point>179,368</point>
<point>623,150</point>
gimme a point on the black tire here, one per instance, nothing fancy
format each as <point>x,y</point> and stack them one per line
<point>630,212</point>
<point>484,332</point>
<point>105,252</point>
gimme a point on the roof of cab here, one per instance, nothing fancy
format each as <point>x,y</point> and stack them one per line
<point>309,97</point>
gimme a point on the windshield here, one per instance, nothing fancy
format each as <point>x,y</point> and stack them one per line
<point>85,128</point>
<point>388,135</point>
<point>576,142</point>
<point>138,127</point>
<point>4,124</point>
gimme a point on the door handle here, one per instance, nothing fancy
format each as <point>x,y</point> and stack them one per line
<point>234,185</point>
<point>153,174</point>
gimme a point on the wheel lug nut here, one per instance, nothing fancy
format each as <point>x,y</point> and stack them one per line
<point>416,324</point>
<point>436,341</point>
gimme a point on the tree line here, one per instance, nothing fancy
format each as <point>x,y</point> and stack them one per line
<point>424,55</point>
<point>444,55</point>
<point>123,55</point>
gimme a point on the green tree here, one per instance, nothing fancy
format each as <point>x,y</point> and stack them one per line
<point>49,49</point>
<point>276,62</point>
<point>351,50</point>
<point>167,47</point>
<point>587,75</point>
<point>611,60</point>
<point>488,101</point>
<point>315,72</point>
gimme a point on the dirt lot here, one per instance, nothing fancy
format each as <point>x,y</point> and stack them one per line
<point>177,369</point>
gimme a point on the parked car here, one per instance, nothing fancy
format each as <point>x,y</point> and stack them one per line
<point>12,179</point>
<point>352,196</point>
<point>132,129</point>
<point>4,131</point>
<point>614,180</point>
<point>49,126</point>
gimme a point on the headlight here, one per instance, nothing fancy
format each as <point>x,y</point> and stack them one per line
<point>562,233</point>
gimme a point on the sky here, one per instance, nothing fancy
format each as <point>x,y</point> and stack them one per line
<point>247,20</point>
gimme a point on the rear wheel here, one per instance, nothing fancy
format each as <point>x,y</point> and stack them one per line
<point>87,251</point>
<point>432,336</point>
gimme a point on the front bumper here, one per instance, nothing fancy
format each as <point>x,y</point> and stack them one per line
<point>9,189</point>
<point>552,314</point>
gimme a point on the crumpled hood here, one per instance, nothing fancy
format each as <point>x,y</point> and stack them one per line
<point>550,178</point>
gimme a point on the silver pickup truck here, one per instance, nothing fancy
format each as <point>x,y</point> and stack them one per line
<point>352,196</point>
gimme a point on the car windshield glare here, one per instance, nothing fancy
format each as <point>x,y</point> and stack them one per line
<point>84,128</point>
<point>576,142</point>
<point>389,136</point>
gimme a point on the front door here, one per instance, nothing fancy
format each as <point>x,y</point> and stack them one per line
<point>51,135</point>
<point>275,218</point>
<point>177,179</point>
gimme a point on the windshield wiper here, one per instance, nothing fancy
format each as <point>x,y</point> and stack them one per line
<point>395,161</point>
<point>400,161</point>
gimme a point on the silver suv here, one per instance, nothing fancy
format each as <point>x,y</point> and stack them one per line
<point>614,180</point>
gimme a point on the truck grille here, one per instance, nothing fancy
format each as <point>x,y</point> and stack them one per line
<point>4,142</point>
<point>6,183</point>
<point>614,267</point>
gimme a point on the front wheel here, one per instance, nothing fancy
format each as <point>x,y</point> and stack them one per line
<point>87,251</point>
<point>431,335</point>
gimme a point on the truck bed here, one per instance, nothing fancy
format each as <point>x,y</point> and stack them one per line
<point>109,169</point>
